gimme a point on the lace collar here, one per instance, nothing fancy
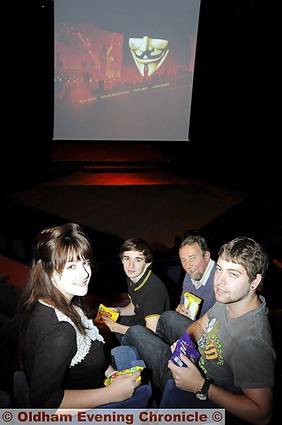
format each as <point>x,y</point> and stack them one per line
<point>83,341</point>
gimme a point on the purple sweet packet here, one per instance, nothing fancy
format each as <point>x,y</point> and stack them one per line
<point>187,347</point>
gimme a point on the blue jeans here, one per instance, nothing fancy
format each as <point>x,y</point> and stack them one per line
<point>171,326</point>
<point>154,348</point>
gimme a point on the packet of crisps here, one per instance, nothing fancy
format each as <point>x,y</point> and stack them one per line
<point>187,347</point>
<point>192,303</point>
<point>128,371</point>
<point>104,311</point>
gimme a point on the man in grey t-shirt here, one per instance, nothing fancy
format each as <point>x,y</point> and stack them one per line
<point>234,338</point>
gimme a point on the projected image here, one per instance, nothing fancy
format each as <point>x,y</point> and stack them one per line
<point>124,71</point>
<point>148,54</point>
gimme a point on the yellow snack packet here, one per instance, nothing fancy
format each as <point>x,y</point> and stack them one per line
<point>104,311</point>
<point>192,303</point>
<point>129,371</point>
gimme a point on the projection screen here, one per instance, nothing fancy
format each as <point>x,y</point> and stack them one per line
<point>124,69</point>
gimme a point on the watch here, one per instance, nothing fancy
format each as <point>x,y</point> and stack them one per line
<point>202,394</point>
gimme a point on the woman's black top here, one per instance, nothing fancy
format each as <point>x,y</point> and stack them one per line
<point>57,357</point>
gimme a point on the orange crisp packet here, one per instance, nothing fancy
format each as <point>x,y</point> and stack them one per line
<point>104,311</point>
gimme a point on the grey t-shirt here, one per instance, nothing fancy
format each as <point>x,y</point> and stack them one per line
<point>238,353</point>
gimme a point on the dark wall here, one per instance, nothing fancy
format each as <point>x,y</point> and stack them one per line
<point>224,83</point>
<point>228,131</point>
<point>28,64</point>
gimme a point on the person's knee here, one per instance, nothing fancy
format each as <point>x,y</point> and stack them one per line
<point>170,326</point>
<point>165,320</point>
<point>133,334</point>
<point>167,316</point>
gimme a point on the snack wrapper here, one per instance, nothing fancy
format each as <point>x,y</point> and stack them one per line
<point>128,371</point>
<point>192,303</point>
<point>187,347</point>
<point>104,311</point>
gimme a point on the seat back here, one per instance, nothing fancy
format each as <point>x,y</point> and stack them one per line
<point>21,390</point>
<point>5,399</point>
<point>123,357</point>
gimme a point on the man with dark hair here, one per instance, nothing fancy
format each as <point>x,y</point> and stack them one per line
<point>197,291</point>
<point>148,296</point>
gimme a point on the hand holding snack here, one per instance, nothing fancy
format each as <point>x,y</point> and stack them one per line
<point>188,378</point>
<point>106,312</point>
<point>192,304</point>
<point>134,370</point>
<point>109,371</point>
<point>124,386</point>
<point>186,347</point>
<point>181,309</point>
<point>173,346</point>
<point>112,325</point>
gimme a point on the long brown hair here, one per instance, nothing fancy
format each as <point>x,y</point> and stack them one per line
<point>55,247</point>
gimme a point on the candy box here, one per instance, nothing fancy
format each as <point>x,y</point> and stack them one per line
<point>187,347</point>
<point>192,303</point>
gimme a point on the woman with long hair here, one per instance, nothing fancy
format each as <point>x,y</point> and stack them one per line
<point>62,351</point>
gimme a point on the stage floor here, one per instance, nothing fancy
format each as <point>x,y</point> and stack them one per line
<point>157,206</point>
